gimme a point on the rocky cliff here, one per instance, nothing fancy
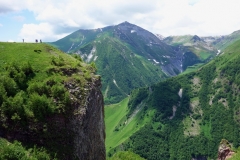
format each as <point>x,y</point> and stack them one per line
<point>87,123</point>
<point>55,102</point>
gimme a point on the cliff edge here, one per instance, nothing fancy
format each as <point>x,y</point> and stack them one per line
<point>49,102</point>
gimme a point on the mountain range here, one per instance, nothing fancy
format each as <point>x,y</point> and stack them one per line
<point>123,52</point>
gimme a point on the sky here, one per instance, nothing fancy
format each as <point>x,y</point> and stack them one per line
<point>50,20</point>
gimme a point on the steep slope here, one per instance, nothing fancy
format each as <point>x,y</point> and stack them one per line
<point>122,53</point>
<point>49,99</point>
<point>192,112</point>
<point>120,68</point>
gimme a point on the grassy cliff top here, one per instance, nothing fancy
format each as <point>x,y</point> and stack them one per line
<point>36,84</point>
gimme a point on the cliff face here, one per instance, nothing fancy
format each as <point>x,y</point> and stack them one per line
<point>87,124</point>
<point>79,133</point>
<point>52,100</point>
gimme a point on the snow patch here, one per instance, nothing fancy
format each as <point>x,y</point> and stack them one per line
<point>155,61</point>
<point>166,56</point>
<point>70,48</point>
<point>180,93</point>
<point>219,51</point>
<point>89,57</point>
<point>95,58</point>
<point>132,31</point>
<point>81,41</point>
<point>115,82</point>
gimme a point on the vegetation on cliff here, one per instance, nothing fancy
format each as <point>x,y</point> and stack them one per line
<point>35,97</point>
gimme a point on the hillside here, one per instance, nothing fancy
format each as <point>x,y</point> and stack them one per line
<point>46,100</point>
<point>123,52</point>
<point>192,113</point>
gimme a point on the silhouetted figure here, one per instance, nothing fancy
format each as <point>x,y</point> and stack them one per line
<point>36,41</point>
<point>23,40</point>
<point>40,41</point>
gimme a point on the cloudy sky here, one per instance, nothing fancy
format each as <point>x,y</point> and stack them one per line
<point>51,20</point>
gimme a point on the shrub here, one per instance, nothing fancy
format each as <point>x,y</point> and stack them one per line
<point>40,105</point>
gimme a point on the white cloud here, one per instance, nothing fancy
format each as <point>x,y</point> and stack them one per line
<point>43,31</point>
<point>166,17</point>
<point>11,5</point>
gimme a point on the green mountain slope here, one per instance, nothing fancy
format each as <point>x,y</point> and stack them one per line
<point>35,100</point>
<point>125,51</point>
<point>121,69</point>
<point>191,112</point>
<point>120,125</point>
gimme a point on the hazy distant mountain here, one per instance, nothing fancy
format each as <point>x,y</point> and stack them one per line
<point>203,49</point>
<point>221,42</point>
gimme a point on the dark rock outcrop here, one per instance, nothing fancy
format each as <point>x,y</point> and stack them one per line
<point>224,150</point>
<point>87,123</point>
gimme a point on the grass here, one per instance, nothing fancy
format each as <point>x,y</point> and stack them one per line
<point>236,155</point>
<point>204,55</point>
<point>115,117</point>
<point>39,55</point>
<point>206,129</point>
<point>113,114</point>
<point>193,68</point>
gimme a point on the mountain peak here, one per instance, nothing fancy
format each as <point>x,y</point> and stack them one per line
<point>125,23</point>
<point>195,38</point>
